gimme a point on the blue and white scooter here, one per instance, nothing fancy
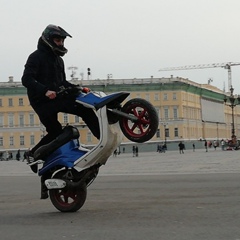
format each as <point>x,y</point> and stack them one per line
<point>73,167</point>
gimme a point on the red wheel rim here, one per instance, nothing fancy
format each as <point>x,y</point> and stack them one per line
<point>142,126</point>
<point>65,198</point>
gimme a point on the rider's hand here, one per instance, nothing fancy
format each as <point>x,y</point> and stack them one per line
<point>86,90</point>
<point>51,94</point>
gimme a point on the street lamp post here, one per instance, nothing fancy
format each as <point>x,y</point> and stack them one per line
<point>217,130</point>
<point>233,102</point>
<point>109,76</point>
<point>165,134</point>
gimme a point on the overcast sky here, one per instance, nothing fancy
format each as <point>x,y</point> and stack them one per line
<point>127,38</point>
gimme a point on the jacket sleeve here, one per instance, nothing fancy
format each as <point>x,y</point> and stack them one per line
<point>30,75</point>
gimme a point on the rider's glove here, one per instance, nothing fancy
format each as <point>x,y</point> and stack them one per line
<point>86,90</point>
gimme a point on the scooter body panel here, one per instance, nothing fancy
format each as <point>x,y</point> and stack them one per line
<point>65,156</point>
<point>69,155</point>
<point>97,100</point>
<point>111,137</point>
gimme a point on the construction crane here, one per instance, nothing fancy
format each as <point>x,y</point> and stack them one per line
<point>227,66</point>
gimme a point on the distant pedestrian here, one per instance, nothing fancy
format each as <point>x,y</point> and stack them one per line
<point>115,153</point>
<point>18,156</point>
<point>193,147</point>
<point>136,151</point>
<point>165,147</point>
<point>206,145</point>
<point>215,144</point>
<point>223,145</point>
<point>133,151</point>
<point>1,156</point>
<point>158,148</point>
<point>181,146</point>
<point>25,156</point>
<point>118,151</point>
<point>7,155</point>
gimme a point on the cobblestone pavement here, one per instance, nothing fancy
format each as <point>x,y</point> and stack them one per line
<point>152,163</point>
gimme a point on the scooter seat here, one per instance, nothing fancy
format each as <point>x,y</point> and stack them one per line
<point>67,134</point>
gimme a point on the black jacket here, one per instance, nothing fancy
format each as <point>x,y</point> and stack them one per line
<point>43,71</point>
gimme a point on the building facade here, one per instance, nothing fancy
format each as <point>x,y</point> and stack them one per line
<point>187,111</point>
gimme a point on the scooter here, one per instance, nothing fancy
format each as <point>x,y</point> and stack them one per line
<point>73,167</point>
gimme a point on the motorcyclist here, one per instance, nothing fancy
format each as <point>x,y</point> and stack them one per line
<point>43,76</point>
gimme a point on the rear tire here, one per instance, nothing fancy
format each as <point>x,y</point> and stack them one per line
<point>67,200</point>
<point>147,124</point>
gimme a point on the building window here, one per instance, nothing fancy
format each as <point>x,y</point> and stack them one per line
<point>156,96</point>
<point>20,101</point>
<point>77,119</point>
<point>174,97</point>
<point>166,113</point>
<point>0,102</point>
<point>158,133</point>
<point>65,118</point>
<point>175,132</point>
<point>147,97</point>
<point>1,120</point>
<point>89,137</point>
<point>158,112</point>
<point>166,132</point>
<point>165,96</point>
<point>1,141</point>
<point>21,120</point>
<point>175,112</point>
<point>21,140</point>
<point>31,119</point>
<point>32,140</point>
<point>11,141</point>
<point>10,120</point>
<point>10,102</point>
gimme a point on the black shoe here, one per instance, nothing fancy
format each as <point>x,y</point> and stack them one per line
<point>34,168</point>
<point>30,161</point>
<point>44,191</point>
<point>44,195</point>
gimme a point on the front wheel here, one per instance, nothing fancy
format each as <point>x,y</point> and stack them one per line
<point>145,127</point>
<point>67,199</point>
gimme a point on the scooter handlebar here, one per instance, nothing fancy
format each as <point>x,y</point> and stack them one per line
<point>70,91</point>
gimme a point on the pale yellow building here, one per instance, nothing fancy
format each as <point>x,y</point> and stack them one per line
<point>187,111</point>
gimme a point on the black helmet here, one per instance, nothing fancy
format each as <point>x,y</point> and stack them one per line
<point>53,31</point>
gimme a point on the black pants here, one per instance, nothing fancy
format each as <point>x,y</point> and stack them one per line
<point>48,115</point>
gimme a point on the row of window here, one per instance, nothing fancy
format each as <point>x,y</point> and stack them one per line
<point>156,96</point>
<point>21,122</point>
<point>191,98</point>
<point>166,112</point>
<point>147,97</point>
<point>10,102</point>
<point>167,133</point>
<point>31,120</point>
<point>172,96</point>
<point>21,140</point>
